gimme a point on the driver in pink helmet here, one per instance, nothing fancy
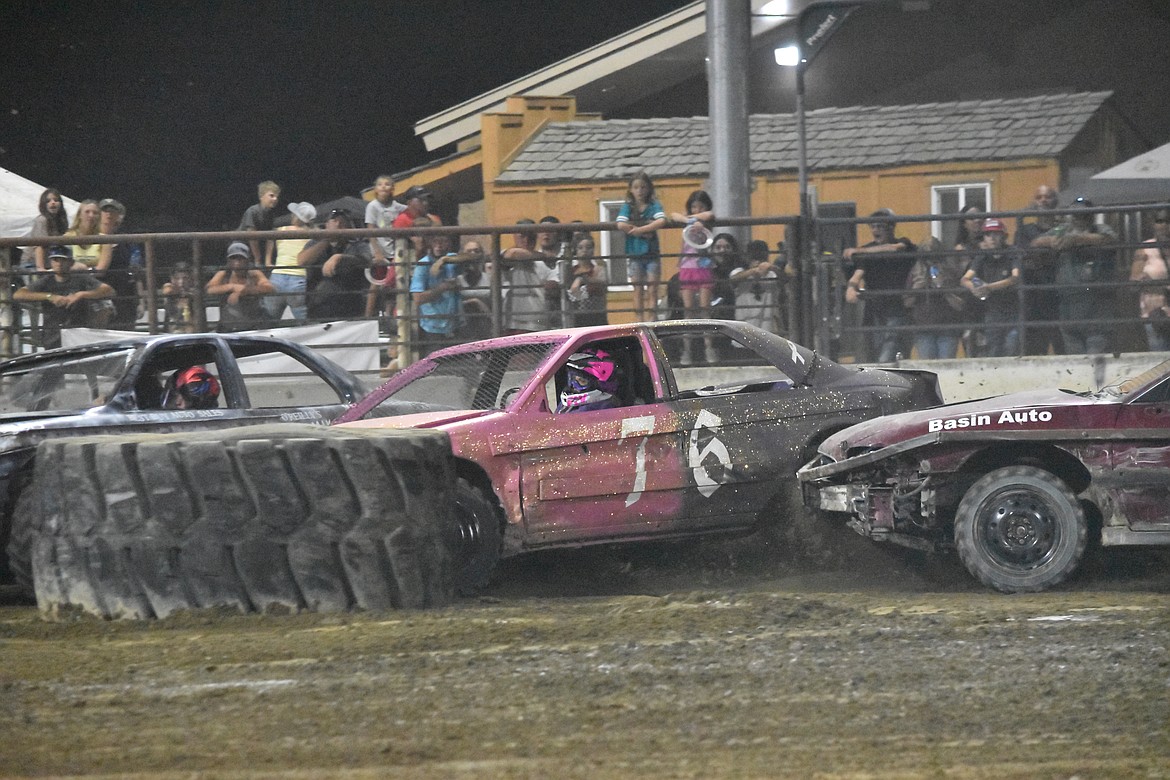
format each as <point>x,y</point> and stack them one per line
<point>592,382</point>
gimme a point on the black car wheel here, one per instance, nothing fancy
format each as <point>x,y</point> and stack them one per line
<point>1020,529</point>
<point>269,518</point>
<point>477,539</point>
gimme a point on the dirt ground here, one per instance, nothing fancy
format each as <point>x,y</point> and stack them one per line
<point>676,661</point>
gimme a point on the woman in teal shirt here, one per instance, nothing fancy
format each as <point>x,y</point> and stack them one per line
<point>640,217</point>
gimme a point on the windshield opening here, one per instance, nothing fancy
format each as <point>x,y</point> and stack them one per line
<point>485,379</point>
<point>1123,387</point>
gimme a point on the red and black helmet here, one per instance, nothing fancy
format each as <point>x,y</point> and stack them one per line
<point>198,388</point>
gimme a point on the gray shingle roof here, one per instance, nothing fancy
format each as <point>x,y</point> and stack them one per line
<point>854,137</point>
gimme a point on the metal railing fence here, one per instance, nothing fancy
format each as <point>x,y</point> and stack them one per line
<point>805,300</point>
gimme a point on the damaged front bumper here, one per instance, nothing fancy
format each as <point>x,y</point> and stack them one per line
<point>901,513</point>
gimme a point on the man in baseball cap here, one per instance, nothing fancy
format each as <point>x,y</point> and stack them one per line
<point>68,300</point>
<point>422,193</point>
<point>992,277</point>
<point>109,204</point>
<point>993,225</point>
<point>121,269</point>
<point>418,203</point>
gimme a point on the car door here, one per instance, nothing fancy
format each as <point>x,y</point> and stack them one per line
<point>605,473</point>
<point>742,440</point>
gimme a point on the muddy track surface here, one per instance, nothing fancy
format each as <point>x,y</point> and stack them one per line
<point>692,661</point>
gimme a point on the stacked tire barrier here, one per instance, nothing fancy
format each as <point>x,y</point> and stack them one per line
<point>277,518</point>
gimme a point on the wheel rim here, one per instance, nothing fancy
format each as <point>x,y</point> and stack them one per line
<point>468,530</point>
<point>1019,528</point>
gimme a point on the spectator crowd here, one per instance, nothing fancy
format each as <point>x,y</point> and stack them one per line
<point>990,293</point>
<point>1048,289</point>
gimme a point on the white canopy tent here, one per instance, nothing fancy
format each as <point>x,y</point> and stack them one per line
<point>1141,179</point>
<point>18,204</point>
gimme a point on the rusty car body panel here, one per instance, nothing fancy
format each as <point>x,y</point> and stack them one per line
<point>902,478</point>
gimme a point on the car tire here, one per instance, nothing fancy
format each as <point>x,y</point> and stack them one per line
<point>276,518</point>
<point>1020,529</point>
<point>477,540</point>
<point>18,544</point>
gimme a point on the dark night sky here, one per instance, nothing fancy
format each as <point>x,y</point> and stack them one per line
<point>179,110</point>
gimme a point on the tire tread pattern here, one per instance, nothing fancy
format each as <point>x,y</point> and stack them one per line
<point>266,519</point>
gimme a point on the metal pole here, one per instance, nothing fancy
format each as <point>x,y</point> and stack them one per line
<point>9,312</point>
<point>815,24</point>
<point>200,286</point>
<point>151,290</point>
<point>728,44</point>
<point>801,141</point>
<point>404,259</point>
<point>495,281</point>
<point>804,313</point>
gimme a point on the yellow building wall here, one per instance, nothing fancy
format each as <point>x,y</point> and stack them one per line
<point>905,189</point>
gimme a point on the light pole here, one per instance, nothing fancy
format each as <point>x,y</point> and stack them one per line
<point>728,44</point>
<point>815,24</point>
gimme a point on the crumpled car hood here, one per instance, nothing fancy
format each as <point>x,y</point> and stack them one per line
<point>884,431</point>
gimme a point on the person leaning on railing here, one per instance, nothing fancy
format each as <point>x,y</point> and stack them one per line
<point>1038,274</point>
<point>937,303</point>
<point>881,266</point>
<point>477,288</point>
<point>288,278</point>
<point>1151,264</point>
<point>336,272</point>
<point>242,287</point>
<point>119,266</point>
<point>435,288</point>
<point>68,298</point>
<point>992,278</point>
<point>1082,258</point>
<point>589,281</point>
<point>529,280</point>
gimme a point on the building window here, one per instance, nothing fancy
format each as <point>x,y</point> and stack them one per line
<point>613,245</point>
<point>951,199</point>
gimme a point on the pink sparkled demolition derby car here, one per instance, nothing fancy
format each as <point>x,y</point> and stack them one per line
<point>1017,484</point>
<point>591,435</point>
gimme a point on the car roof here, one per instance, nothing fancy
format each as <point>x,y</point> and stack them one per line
<point>135,342</point>
<point>770,345</point>
<point>606,331</point>
<point>542,337</point>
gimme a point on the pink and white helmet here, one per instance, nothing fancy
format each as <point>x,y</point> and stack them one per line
<point>592,381</point>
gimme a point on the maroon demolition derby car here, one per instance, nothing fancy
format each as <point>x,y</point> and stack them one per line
<point>591,435</point>
<point>1017,483</point>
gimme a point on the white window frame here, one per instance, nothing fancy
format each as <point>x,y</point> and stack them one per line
<point>936,190</point>
<point>607,211</point>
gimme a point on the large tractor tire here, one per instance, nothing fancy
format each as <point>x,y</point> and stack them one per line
<point>278,518</point>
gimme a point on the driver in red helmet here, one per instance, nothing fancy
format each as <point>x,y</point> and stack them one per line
<point>592,381</point>
<point>191,388</point>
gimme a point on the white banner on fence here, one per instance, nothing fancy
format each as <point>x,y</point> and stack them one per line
<point>334,340</point>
